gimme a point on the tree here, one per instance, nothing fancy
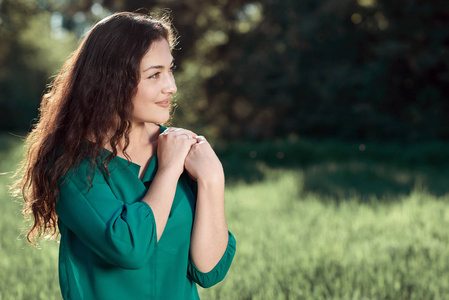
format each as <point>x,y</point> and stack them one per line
<point>348,69</point>
<point>354,69</point>
<point>30,52</point>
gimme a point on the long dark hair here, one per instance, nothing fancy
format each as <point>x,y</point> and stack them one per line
<point>90,99</point>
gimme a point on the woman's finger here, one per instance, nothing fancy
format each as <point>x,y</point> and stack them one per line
<point>185,135</point>
<point>200,139</point>
<point>180,131</point>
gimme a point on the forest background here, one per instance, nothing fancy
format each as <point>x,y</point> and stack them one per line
<point>330,118</point>
<point>349,69</point>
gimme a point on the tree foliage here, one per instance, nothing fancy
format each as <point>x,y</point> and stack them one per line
<point>352,69</point>
<point>30,52</point>
<point>360,70</point>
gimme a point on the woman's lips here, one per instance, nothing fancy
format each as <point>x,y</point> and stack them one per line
<point>164,103</point>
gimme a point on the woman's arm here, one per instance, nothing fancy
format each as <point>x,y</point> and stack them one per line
<point>122,234</point>
<point>210,232</point>
<point>173,147</point>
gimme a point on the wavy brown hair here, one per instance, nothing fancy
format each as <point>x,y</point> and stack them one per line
<point>90,100</point>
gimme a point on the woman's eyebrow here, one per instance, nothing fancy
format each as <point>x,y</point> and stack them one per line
<point>158,66</point>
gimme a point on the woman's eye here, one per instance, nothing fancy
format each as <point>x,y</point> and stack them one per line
<point>155,76</point>
<point>173,67</point>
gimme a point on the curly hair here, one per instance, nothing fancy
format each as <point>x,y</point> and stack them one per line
<point>89,100</point>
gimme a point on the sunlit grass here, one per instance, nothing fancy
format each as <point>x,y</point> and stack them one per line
<point>27,272</point>
<point>301,247</point>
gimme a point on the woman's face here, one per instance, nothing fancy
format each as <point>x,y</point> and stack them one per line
<point>156,86</point>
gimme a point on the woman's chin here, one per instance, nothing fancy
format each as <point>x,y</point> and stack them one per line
<point>163,120</point>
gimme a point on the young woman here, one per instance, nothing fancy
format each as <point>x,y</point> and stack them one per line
<point>139,207</point>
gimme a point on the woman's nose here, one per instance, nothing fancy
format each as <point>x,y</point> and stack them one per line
<point>170,85</point>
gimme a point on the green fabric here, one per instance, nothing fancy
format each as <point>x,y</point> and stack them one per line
<point>109,247</point>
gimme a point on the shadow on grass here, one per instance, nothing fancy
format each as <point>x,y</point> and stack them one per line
<point>332,169</point>
<point>341,171</point>
<point>368,180</point>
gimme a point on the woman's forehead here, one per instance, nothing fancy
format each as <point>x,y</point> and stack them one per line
<point>159,54</point>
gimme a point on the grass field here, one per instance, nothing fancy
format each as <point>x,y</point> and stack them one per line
<point>313,220</point>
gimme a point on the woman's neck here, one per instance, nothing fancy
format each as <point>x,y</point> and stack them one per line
<point>142,145</point>
<point>143,134</point>
<point>142,137</point>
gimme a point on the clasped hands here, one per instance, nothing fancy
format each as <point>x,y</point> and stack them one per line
<point>180,149</point>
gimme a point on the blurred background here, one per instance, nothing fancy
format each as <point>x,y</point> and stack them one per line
<point>331,120</point>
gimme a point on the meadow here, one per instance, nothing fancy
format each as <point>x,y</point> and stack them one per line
<point>312,219</point>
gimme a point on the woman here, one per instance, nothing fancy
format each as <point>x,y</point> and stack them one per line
<point>140,208</point>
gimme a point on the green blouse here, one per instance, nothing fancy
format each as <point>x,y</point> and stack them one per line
<point>109,248</point>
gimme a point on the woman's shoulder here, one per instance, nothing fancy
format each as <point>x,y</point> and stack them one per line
<point>88,169</point>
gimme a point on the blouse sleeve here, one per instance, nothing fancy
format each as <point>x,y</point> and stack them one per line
<point>122,234</point>
<point>217,274</point>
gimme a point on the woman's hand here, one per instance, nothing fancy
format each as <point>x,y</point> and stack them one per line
<point>173,146</point>
<point>202,163</point>
<point>209,233</point>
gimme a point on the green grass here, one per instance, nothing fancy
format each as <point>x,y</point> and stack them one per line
<point>26,272</point>
<point>331,227</point>
<point>293,247</point>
